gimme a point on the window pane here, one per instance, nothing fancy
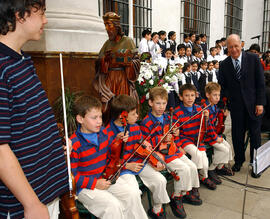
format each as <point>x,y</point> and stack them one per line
<point>196,17</point>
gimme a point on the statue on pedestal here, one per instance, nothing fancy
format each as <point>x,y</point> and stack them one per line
<point>118,65</point>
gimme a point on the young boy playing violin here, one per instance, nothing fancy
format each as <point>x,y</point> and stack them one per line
<point>222,149</point>
<point>191,131</point>
<point>90,149</point>
<point>186,189</point>
<point>149,174</point>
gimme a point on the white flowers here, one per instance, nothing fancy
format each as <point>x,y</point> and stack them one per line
<point>168,87</point>
<point>151,82</point>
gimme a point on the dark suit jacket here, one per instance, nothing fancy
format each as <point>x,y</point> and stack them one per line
<point>250,89</point>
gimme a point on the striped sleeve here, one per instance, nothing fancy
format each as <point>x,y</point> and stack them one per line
<point>82,181</point>
<point>5,128</point>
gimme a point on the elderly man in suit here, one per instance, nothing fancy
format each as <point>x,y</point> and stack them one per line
<point>242,80</point>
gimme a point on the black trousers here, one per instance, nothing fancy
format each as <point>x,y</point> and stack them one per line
<point>241,122</point>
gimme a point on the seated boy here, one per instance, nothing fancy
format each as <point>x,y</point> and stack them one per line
<point>222,150</point>
<point>90,148</point>
<point>186,189</point>
<point>189,132</point>
<point>150,176</point>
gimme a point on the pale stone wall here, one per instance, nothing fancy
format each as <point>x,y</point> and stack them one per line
<point>252,21</point>
<point>73,26</point>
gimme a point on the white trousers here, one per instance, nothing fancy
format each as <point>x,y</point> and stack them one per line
<point>156,183</point>
<point>199,158</point>
<point>53,208</point>
<point>222,154</point>
<point>187,171</point>
<point>121,201</point>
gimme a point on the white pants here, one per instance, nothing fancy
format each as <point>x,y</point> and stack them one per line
<point>53,208</point>
<point>222,154</point>
<point>199,158</point>
<point>121,201</point>
<point>187,171</point>
<point>156,183</point>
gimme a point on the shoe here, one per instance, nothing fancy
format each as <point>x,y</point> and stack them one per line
<point>236,167</point>
<point>177,207</point>
<point>160,215</point>
<point>195,192</point>
<point>254,175</point>
<point>209,183</point>
<point>189,198</point>
<point>214,177</point>
<point>224,171</point>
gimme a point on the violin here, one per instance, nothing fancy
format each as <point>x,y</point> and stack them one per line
<point>117,153</point>
<point>154,158</point>
<point>220,127</point>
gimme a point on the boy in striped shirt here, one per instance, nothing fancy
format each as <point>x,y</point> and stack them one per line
<point>189,132</point>
<point>89,155</point>
<point>186,189</point>
<point>222,149</point>
<point>150,175</point>
<point>33,172</point>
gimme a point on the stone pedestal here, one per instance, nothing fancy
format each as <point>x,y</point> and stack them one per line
<point>73,26</point>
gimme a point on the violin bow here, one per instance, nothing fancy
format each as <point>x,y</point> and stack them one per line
<point>134,152</point>
<point>165,135</point>
<point>65,124</point>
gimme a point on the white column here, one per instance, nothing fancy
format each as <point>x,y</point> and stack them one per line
<point>216,21</point>
<point>130,29</point>
<point>73,26</point>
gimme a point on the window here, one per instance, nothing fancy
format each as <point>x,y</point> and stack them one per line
<point>266,26</point>
<point>142,18</point>
<point>142,15</point>
<point>195,17</point>
<point>120,7</point>
<point>233,17</point>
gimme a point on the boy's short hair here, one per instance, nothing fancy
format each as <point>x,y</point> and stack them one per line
<point>214,61</point>
<point>154,34</point>
<point>186,36</point>
<point>187,87</point>
<point>146,32</point>
<point>84,104</point>
<point>158,92</point>
<point>168,49</point>
<point>181,46</point>
<point>122,103</point>
<point>170,34</point>
<point>212,49</point>
<point>162,32</point>
<point>212,86</point>
<point>203,63</point>
<point>195,50</point>
<point>10,8</point>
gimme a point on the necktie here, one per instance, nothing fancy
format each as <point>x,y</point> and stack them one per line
<point>237,69</point>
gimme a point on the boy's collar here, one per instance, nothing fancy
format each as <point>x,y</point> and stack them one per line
<point>10,52</point>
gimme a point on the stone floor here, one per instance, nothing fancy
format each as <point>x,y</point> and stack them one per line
<point>226,202</point>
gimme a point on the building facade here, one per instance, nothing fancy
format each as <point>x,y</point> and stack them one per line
<point>76,28</point>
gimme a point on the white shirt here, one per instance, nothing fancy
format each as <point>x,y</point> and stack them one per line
<point>143,46</point>
<point>211,58</point>
<point>239,59</point>
<point>154,50</point>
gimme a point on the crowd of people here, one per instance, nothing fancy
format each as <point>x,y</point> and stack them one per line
<point>106,159</point>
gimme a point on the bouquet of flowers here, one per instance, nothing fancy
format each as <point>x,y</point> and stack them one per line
<point>150,77</point>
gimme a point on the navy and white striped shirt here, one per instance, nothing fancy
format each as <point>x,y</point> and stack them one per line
<point>28,126</point>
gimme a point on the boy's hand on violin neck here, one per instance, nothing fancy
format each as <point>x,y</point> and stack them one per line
<point>122,136</point>
<point>219,139</point>
<point>135,167</point>
<point>103,184</point>
<point>176,132</point>
<point>168,138</point>
<point>69,145</point>
<point>159,167</point>
<point>148,145</point>
<point>206,113</point>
